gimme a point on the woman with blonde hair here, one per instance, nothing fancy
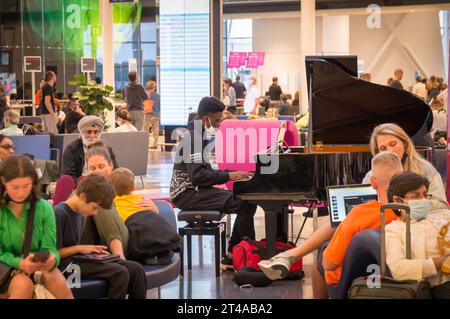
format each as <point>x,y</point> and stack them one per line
<point>391,137</point>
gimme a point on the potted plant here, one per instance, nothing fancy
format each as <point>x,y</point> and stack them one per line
<point>93,97</point>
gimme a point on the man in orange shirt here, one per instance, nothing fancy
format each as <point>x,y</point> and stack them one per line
<point>365,216</point>
<point>331,255</point>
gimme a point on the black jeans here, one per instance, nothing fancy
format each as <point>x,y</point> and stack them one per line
<point>224,201</point>
<point>124,276</point>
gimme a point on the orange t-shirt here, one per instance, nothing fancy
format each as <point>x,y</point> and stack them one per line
<point>361,217</point>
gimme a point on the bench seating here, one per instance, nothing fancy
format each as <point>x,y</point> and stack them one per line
<point>157,275</point>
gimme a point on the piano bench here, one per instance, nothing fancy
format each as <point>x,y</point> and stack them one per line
<point>202,223</point>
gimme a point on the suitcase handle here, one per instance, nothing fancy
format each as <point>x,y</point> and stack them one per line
<point>395,207</point>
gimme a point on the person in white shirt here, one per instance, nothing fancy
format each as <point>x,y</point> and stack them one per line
<point>443,98</point>
<point>438,130</point>
<point>420,89</point>
<point>430,243</point>
<point>251,102</point>
<point>123,118</point>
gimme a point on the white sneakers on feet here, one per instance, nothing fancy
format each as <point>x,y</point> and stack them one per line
<point>277,267</point>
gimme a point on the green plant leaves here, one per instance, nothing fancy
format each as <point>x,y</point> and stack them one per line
<point>92,96</point>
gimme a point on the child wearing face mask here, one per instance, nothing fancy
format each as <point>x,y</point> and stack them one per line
<point>430,246</point>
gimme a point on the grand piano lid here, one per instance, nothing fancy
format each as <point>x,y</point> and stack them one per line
<point>345,109</point>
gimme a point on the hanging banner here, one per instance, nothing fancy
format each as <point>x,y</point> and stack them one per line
<point>237,59</point>
<point>255,59</point>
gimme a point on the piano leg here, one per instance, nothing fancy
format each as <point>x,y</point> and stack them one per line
<point>271,221</point>
<point>276,222</point>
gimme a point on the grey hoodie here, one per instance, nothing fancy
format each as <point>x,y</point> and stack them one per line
<point>135,96</point>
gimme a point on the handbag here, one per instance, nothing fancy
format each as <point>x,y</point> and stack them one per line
<point>6,271</point>
<point>389,287</point>
<point>40,292</point>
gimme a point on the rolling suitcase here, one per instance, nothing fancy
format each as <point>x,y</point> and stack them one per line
<point>390,288</point>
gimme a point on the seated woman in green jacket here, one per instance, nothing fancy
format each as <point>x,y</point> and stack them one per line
<point>20,186</point>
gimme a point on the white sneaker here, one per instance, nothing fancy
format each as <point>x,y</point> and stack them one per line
<point>277,267</point>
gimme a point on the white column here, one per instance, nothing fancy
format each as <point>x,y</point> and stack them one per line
<point>308,44</point>
<point>106,15</point>
<point>336,35</point>
<point>106,18</point>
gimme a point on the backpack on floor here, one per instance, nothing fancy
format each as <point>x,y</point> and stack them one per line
<point>248,253</point>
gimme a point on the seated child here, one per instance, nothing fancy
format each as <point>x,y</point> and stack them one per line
<point>125,202</point>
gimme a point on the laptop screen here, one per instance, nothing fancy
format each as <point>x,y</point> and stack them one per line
<point>341,199</point>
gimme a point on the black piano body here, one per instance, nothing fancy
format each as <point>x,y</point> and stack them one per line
<point>344,110</point>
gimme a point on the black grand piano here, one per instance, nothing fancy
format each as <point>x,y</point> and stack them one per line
<point>344,110</point>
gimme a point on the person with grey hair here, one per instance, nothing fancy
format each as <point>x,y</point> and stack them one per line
<point>11,120</point>
<point>90,128</point>
<point>333,242</point>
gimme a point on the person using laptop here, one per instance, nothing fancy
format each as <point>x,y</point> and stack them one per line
<point>365,216</point>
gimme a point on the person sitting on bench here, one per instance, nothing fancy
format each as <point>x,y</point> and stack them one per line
<point>76,237</point>
<point>91,128</point>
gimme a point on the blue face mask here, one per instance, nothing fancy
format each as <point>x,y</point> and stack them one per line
<point>419,208</point>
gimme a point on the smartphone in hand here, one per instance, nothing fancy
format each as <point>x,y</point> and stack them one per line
<point>40,256</point>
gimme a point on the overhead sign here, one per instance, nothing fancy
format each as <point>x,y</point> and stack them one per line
<point>237,59</point>
<point>185,51</point>
<point>132,65</point>
<point>88,65</point>
<point>32,64</point>
<point>255,59</point>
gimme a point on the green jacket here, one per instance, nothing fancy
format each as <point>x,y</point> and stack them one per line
<point>12,233</point>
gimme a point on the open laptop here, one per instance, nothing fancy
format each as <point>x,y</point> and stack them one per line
<point>342,198</point>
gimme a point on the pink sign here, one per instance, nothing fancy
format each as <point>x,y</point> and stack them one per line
<point>255,60</point>
<point>237,59</point>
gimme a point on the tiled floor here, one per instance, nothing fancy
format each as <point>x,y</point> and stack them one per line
<point>201,281</point>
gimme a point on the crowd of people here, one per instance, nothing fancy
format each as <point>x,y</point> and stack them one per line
<point>47,237</point>
<point>61,114</point>
<point>273,104</point>
<point>398,175</point>
<point>91,220</point>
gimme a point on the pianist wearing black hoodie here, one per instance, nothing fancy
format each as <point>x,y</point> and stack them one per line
<point>193,179</point>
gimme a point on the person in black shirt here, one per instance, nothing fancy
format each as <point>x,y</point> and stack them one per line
<point>47,105</point>
<point>73,163</point>
<point>78,235</point>
<point>239,88</point>
<point>73,115</point>
<point>275,90</point>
